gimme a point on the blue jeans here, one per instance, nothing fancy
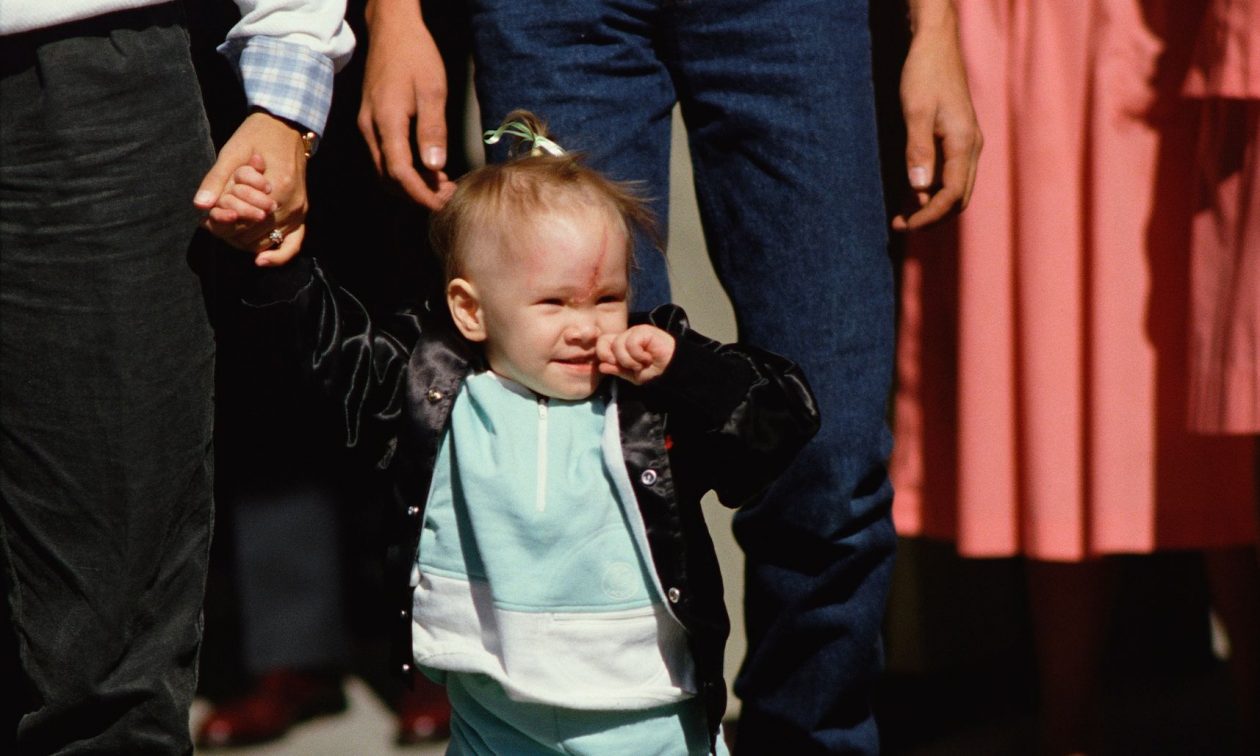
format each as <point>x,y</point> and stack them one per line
<point>778,102</point>
<point>106,368</point>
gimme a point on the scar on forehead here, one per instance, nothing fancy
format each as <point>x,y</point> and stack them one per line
<point>591,285</point>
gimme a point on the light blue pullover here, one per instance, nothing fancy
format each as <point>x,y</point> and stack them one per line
<point>533,565</point>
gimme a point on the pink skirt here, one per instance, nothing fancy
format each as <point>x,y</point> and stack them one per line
<point>1225,253</point>
<point>1043,375</point>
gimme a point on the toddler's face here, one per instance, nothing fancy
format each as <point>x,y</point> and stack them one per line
<point>542,298</point>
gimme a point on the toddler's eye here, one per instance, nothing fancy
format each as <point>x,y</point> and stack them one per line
<point>610,299</point>
<point>553,302</point>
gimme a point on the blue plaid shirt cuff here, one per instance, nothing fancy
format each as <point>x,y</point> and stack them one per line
<point>285,79</point>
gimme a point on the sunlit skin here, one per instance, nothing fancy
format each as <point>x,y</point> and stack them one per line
<point>547,299</point>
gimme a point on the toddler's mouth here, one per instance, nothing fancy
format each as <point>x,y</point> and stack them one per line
<point>581,363</point>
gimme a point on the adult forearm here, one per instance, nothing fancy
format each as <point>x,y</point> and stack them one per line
<point>928,15</point>
<point>381,13</point>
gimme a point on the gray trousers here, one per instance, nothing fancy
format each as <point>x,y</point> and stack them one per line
<point>106,370</point>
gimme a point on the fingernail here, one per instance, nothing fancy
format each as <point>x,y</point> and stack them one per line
<point>435,157</point>
<point>918,176</point>
<point>203,197</point>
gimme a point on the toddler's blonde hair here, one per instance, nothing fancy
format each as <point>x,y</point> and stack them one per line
<point>530,184</point>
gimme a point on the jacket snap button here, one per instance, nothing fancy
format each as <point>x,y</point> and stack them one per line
<point>673,594</point>
<point>402,614</point>
<point>406,668</point>
<point>434,395</point>
<point>413,510</point>
<point>648,477</point>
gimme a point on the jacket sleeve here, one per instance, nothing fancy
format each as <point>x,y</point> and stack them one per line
<point>356,366</point>
<point>742,412</point>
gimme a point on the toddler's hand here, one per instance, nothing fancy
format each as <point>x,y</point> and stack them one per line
<point>638,354</point>
<point>246,200</point>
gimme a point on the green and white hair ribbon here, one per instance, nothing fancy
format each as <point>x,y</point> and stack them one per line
<point>538,143</point>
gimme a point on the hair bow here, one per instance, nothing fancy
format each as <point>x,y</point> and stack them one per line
<point>538,143</point>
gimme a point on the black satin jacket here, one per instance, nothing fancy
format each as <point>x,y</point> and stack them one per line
<point>727,418</point>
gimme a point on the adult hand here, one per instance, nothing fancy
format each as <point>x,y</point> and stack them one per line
<point>943,139</point>
<point>283,155</point>
<point>404,81</point>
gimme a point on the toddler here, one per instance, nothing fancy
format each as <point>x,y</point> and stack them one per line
<point>548,453</point>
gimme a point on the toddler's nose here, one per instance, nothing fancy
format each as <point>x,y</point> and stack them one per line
<point>585,332</point>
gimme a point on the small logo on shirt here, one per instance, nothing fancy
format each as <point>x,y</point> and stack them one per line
<point>620,580</point>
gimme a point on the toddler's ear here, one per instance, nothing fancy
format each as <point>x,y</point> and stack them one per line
<point>461,298</point>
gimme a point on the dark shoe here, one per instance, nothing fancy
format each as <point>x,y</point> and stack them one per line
<point>424,715</point>
<point>281,699</point>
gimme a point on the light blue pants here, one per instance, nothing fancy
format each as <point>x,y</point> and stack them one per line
<point>485,722</point>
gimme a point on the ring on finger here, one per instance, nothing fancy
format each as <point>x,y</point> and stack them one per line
<point>276,237</point>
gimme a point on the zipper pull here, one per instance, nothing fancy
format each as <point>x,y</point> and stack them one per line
<point>540,494</point>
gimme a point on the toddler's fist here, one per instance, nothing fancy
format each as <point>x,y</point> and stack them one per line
<point>637,354</point>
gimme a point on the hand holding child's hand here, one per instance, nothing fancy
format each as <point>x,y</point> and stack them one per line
<point>637,354</point>
<point>265,145</point>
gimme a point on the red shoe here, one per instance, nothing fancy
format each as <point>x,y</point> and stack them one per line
<point>424,714</point>
<point>281,699</point>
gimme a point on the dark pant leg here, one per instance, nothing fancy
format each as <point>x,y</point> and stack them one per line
<point>289,576</point>
<point>778,101</point>
<point>589,69</point>
<point>105,383</point>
